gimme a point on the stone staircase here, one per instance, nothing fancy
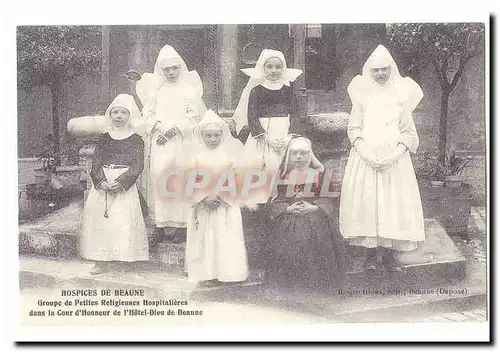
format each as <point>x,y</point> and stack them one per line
<point>49,258</point>
<point>48,249</point>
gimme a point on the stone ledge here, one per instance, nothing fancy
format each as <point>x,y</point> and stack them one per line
<point>436,261</point>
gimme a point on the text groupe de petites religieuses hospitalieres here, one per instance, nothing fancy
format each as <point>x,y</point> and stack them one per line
<point>114,302</point>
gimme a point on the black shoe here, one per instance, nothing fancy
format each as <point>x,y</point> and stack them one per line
<point>156,238</point>
<point>371,259</point>
<point>179,236</point>
<point>389,261</point>
<point>169,234</point>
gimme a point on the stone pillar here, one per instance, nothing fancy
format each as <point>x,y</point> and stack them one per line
<point>227,37</point>
<point>137,53</point>
<point>87,153</point>
<point>299,61</point>
<point>139,38</point>
<point>210,76</point>
<point>105,83</point>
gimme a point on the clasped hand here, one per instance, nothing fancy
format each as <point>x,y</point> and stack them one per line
<point>163,137</point>
<point>111,187</point>
<point>301,207</point>
<point>277,143</point>
<point>213,202</point>
<point>379,164</point>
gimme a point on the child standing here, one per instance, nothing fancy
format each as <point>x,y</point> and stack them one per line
<point>267,105</point>
<point>113,226</point>
<point>215,248</point>
<point>380,203</point>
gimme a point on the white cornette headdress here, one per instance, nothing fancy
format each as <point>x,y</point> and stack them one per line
<point>406,89</point>
<point>257,77</point>
<point>167,56</point>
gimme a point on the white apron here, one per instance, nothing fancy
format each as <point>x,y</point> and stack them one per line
<point>381,204</point>
<point>122,235</point>
<point>261,156</point>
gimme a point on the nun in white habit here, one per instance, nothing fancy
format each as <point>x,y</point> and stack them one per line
<point>380,202</point>
<point>171,113</point>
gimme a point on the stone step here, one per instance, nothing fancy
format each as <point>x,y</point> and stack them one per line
<point>172,254</point>
<point>437,261</point>
<point>368,304</point>
<point>347,306</point>
<point>56,236</point>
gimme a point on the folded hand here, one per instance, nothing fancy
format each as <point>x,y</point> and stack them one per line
<point>211,203</point>
<point>172,132</point>
<point>381,164</point>
<point>114,187</point>
<point>161,140</point>
<point>277,144</point>
<point>103,186</point>
<point>301,207</point>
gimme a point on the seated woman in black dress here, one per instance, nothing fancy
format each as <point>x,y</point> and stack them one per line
<point>304,249</point>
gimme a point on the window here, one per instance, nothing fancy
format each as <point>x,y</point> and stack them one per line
<point>313,30</point>
<point>321,70</point>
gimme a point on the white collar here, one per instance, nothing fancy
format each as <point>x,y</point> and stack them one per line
<point>272,85</point>
<point>120,134</point>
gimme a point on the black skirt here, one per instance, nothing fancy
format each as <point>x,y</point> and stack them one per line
<point>305,252</point>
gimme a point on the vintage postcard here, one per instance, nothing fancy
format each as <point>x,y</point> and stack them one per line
<point>265,174</point>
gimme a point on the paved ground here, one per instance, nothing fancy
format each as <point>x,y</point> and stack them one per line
<point>475,248</point>
<point>253,311</point>
<point>470,316</point>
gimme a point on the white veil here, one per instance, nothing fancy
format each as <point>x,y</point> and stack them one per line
<point>150,82</point>
<point>406,89</point>
<point>124,101</point>
<point>98,124</point>
<point>229,145</point>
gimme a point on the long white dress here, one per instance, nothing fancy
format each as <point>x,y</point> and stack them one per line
<point>113,226</point>
<point>382,208</point>
<point>215,247</point>
<point>121,236</point>
<point>176,104</point>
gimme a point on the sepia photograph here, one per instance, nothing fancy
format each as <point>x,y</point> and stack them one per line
<point>253,174</point>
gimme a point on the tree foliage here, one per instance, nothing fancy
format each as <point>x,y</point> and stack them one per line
<point>52,55</point>
<point>446,48</point>
<point>48,55</point>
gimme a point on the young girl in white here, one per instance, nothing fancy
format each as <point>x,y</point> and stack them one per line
<point>215,248</point>
<point>267,106</point>
<point>380,203</point>
<point>113,226</point>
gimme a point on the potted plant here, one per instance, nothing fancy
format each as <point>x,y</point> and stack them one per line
<point>449,205</point>
<point>438,174</point>
<point>430,170</point>
<point>454,166</point>
<point>59,176</point>
<point>48,159</point>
